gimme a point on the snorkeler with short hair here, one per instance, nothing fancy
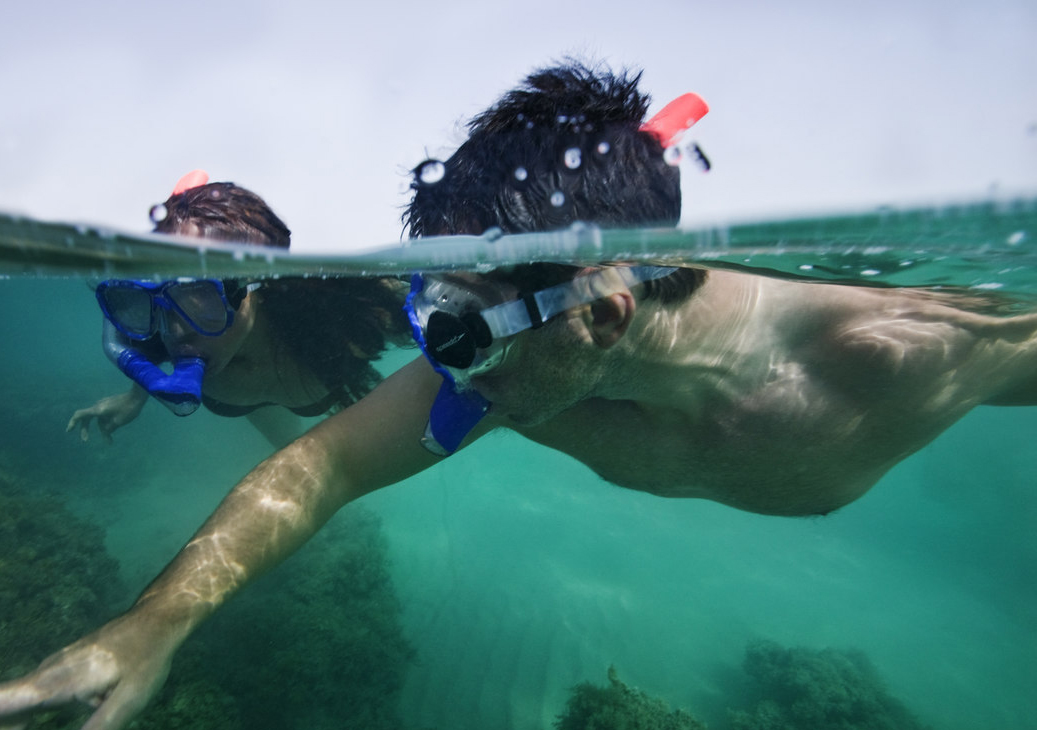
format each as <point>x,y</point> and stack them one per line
<point>267,350</point>
<point>774,396</point>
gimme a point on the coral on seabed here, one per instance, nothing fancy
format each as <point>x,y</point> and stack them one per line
<point>806,689</point>
<point>619,707</point>
<point>316,644</point>
<point>57,582</point>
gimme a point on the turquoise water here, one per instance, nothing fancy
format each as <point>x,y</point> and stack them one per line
<point>520,574</point>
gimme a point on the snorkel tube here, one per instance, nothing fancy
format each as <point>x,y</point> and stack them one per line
<point>455,412</point>
<point>179,391</point>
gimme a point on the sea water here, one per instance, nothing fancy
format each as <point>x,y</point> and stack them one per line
<point>518,573</point>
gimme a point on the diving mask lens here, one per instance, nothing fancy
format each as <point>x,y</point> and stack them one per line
<point>454,333</point>
<point>202,304</point>
<point>129,307</point>
<point>454,340</point>
<point>132,305</point>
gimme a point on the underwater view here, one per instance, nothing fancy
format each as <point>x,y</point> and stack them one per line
<point>510,586</point>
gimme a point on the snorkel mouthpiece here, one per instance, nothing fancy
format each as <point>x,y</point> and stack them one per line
<point>179,391</point>
<point>454,414</point>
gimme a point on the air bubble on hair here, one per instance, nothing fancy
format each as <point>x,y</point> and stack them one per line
<point>672,156</point>
<point>558,198</point>
<point>573,158</point>
<point>215,193</point>
<point>603,147</point>
<point>431,171</point>
<point>563,119</point>
<point>158,213</point>
<point>492,234</point>
<point>521,174</point>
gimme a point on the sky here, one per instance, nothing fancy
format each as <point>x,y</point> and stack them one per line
<point>323,107</point>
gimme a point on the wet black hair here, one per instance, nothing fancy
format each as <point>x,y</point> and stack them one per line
<point>564,146</point>
<point>338,326</point>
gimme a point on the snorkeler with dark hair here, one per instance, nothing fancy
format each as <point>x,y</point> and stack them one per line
<point>774,396</point>
<point>264,350</point>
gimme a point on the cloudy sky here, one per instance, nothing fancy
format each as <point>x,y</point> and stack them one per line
<point>322,107</point>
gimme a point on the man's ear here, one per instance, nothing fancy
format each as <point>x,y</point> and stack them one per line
<point>609,317</point>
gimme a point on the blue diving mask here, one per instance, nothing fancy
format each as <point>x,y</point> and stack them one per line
<point>138,309</point>
<point>135,311</point>
<point>463,335</point>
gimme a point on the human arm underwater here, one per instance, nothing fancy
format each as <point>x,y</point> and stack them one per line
<point>270,513</point>
<point>111,413</point>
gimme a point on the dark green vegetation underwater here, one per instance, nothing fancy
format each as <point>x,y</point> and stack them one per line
<point>787,689</point>
<point>318,644</point>
<point>315,644</point>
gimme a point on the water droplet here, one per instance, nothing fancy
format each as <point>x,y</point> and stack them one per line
<point>558,198</point>
<point>1016,238</point>
<point>573,157</point>
<point>563,119</point>
<point>158,213</point>
<point>431,171</point>
<point>806,267</point>
<point>672,156</point>
<point>521,174</point>
<point>870,272</point>
<point>603,148</point>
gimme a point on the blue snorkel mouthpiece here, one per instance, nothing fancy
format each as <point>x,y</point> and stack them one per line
<point>454,414</point>
<point>179,391</point>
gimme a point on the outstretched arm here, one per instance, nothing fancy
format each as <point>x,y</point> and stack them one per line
<point>272,512</point>
<point>111,413</point>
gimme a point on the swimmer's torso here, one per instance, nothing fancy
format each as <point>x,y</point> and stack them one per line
<point>824,390</point>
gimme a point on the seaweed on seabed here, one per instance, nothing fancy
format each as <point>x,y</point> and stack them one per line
<point>316,644</point>
<point>619,707</point>
<point>57,582</point>
<point>806,689</point>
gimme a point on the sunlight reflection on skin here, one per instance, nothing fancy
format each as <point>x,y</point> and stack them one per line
<point>264,512</point>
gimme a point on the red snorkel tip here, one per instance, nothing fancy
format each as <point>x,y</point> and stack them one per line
<point>676,118</point>
<point>193,179</point>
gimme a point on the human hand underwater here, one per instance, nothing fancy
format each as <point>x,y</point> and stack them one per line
<point>111,413</point>
<point>117,669</point>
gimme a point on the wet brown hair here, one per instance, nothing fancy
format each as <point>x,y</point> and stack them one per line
<point>336,326</point>
<point>222,211</point>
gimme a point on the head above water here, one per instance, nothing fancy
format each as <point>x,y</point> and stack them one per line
<point>220,211</point>
<point>564,146</point>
